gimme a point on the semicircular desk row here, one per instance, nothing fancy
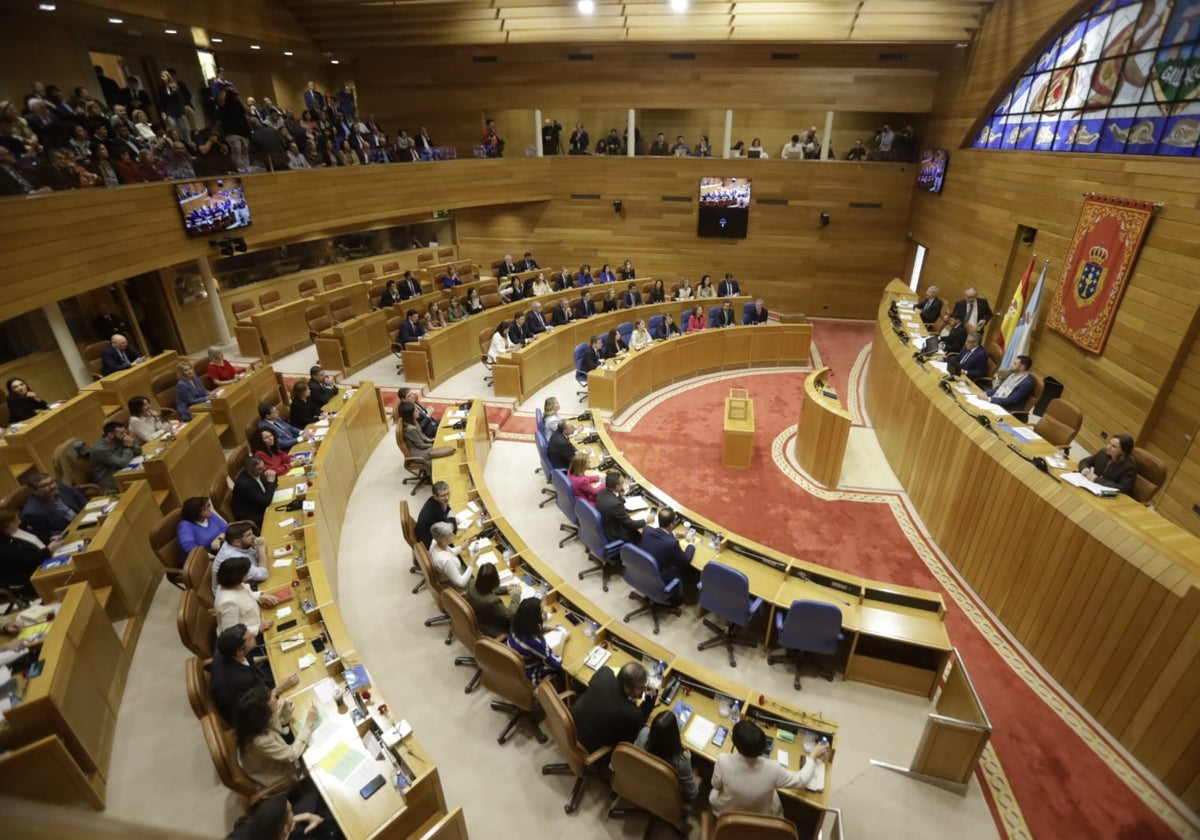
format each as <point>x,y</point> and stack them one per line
<point>1103,592</point>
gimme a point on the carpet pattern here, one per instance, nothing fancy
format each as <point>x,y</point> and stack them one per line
<point>1038,733</point>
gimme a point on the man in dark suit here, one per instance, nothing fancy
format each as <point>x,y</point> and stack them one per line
<point>725,317</point>
<point>118,355</point>
<point>507,267</point>
<point>411,329</point>
<point>586,308</point>
<point>563,314</point>
<point>435,509</point>
<point>535,322</point>
<point>563,280</point>
<point>321,387</point>
<point>660,543</point>
<point>424,418</point>
<point>728,287</point>
<point>614,708</point>
<point>614,518</point>
<point>234,672</point>
<point>757,315</point>
<point>591,355</point>
<point>409,287</point>
<point>954,334</point>
<point>1017,387</point>
<point>930,309</point>
<point>518,331</point>
<point>973,310</point>
<point>51,506</point>
<point>253,491</point>
<point>632,296</point>
<point>974,359</point>
<point>559,448</point>
<point>314,100</point>
<point>528,263</point>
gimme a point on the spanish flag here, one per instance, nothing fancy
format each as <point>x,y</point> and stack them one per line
<point>1015,309</point>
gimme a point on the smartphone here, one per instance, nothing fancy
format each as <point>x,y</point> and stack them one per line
<point>571,617</point>
<point>287,625</point>
<point>35,670</point>
<point>719,736</point>
<point>369,789</point>
<point>318,644</point>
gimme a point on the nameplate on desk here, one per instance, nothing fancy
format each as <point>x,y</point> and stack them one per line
<point>291,643</point>
<point>68,548</point>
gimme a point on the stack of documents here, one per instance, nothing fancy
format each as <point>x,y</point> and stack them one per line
<point>699,732</point>
<point>1078,480</point>
<point>597,657</point>
<point>983,404</point>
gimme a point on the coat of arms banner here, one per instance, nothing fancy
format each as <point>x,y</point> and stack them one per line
<point>1107,240</point>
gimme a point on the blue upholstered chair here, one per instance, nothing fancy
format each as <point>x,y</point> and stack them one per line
<point>625,330</point>
<point>725,592</point>
<point>539,438</point>
<point>565,498</point>
<point>654,325</point>
<point>580,376</point>
<point>649,588</point>
<point>808,627</point>
<point>600,549</point>
<point>538,422</point>
<point>685,320</point>
<point>748,311</point>
<point>714,315</point>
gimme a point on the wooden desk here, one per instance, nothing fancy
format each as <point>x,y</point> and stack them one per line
<point>233,406</point>
<point>358,295</point>
<point>280,330</point>
<point>352,345</point>
<point>178,469</point>
<point>823,430</point>
<point>622,382</point>
<point>73,704</point>
<point>118,388</point>
<point>116,555</point>
<point>34,442</point>
<point>737,439</point>
<point>1102,592</point>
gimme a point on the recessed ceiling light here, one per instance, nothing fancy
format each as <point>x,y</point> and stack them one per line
<point>586,7</point>
<point>217,40</point>
<point>255,47</point>
<point>288,52</point>
<point>334,61</point>
<point>171,31</point>
<point>115,20</point>
<point>47,7</point>
<point>678,6</point>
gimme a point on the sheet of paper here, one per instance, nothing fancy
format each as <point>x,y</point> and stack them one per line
<point>282,562</point>
<point>1078,480</point>
<point>282,613</point>
<point>306,661</point>
<point>284,495</point>
<point>555,636</point>
<point>324,689</point>
<point>68,548</point>
<point>341,761</point>
<point>488,557</point>
<point>817,782</point>
<point>699,732</point>
<point>465,518</point>
<point>633,503</point>
<point>783,757</point>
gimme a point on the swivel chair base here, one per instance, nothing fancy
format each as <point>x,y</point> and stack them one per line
<point>572,533</point>
<point>551,495</point>
<point>781,654</point>
<point>650,606</point>
<point>627,810</point>
<point>576,791</point>
<point>725,636</point>
<point>470,662</point>
<point>605,568</point>
<point>518,714</point>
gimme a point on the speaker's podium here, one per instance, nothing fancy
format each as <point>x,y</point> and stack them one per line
<point>737,446</point>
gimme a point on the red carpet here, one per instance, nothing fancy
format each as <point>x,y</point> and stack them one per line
<point>839,344</point>
<point>1063,789</point>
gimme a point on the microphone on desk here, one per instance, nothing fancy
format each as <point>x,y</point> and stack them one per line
<point>1038,461</point>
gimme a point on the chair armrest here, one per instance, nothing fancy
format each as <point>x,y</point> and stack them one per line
<point>90,490</point>
<point>281,786</point>
<point>566,696</point>
<point>598,755</point>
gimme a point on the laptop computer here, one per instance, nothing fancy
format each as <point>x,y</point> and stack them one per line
<point>931,345</point>
<point>754,153</point>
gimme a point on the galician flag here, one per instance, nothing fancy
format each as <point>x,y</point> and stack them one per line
<point>1013,315</point>
<point>1018,344</point>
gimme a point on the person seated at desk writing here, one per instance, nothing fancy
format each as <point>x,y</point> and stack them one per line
<point>685,290</point>
<point>954,335</point>
<point>112,453</point>
<point>614,708</point>
<point>265,448</point>
<point>661,739</point>
<point>540,286</point>
<point>436,509</point>
<point>189,391</point>
<point>757,315</point>
<point>220,370</point>
<point>746,780</point>
<point>451,279</point>
<point>118,355</point>
<point>668,327</point>
<point>1017,387</point>
<point>23,403</point>
<point>1112,466</point>
<point>615,520</point>
<point>483,594</point>
<point>606,274</point>
<point>302,409</point>
<point>698,321</point>
<point>559,448</point>
<point>51,507</point>
<point>322,388</point>
<point>632,296</point>
<point>234,671</point>
<point>500,342</point>
<point>974,359</point>
<point>614,346</point>
<point>472,303</point>
<point>446,559</point>
<point>286,435</point>
<point>455,311</point>
<point>262,737</point>
<point>427,421</point>
<point>409,286</point>
<point>584,484</point>
<point>640,338</point>
<point>21,553</point>
<point>235,602</point>
<point>610,303</point>
<point>518,331</point>
<point>586,307</point>
<point>973,310</point>
<point>661,544</point>
<point>199,527</point>
<point>930,309</point>
<point>253,490</point>
<point>411,329</point>
<point>527,636</point>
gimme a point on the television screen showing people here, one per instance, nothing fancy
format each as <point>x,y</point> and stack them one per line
<point>724,207</point>
<point>210,207</point>
<point>932,170</point>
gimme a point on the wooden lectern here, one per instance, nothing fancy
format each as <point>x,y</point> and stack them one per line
<point>738,443</point>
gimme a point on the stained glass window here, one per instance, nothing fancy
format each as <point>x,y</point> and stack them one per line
<point>1123,79</point>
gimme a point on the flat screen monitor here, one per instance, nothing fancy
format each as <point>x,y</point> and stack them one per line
<point>214,206</point>
<point>932,170</point>
<point>724,207</point>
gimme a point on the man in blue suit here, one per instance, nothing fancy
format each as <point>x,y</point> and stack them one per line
<point>756,314</point>
<point>1017,387</point>
<point>51,507</point>
<point>728,287</point>
<point>660,543</point>
<point>724,317</point>
<point>118,355</point>
<point>632,296</point>
<point>974,359</point>
<point>410,328</point>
